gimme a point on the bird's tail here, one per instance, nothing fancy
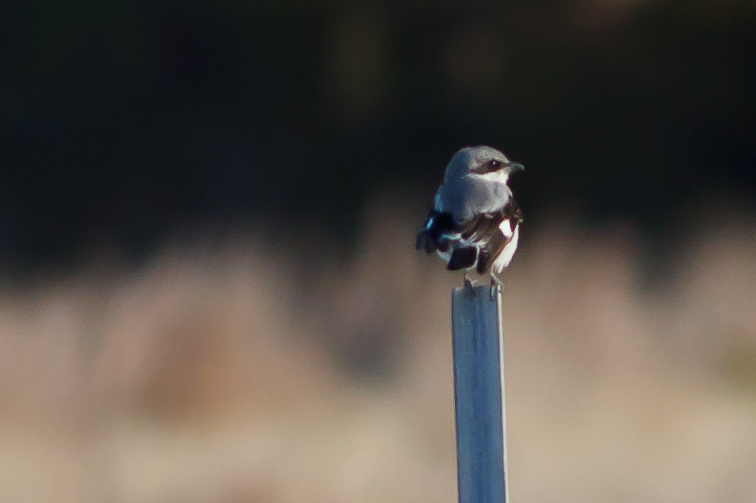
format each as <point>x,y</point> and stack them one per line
<point>424,242</point>
<point>462,257</point>
<point>437,233</point>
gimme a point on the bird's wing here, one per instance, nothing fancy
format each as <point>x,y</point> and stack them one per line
<point>494,231</point>
<point>477,241</point>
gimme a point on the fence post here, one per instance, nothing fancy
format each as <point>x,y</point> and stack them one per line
<point>478,345</point>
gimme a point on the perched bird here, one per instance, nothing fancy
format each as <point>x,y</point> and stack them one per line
<point>475,222</point>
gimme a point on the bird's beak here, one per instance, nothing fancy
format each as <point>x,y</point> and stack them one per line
<point>513,167</point>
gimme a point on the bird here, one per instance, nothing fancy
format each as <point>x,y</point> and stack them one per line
<point>474,223</point>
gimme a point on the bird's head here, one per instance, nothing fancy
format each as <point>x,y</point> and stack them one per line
<point>483,162</point>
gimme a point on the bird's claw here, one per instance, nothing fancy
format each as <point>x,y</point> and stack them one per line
<point>468,285</point>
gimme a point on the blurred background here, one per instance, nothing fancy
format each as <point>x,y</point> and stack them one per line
<point>208,287</point>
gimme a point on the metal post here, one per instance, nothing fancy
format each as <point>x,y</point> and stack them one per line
<point>478,344</point>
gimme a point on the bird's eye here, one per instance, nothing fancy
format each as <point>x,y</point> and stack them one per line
<point>490,166</point>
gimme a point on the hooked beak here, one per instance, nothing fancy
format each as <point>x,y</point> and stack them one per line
<point>514,167</point>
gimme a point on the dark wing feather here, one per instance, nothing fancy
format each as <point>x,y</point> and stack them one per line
<point>483,229</point>
<point>513,212</point>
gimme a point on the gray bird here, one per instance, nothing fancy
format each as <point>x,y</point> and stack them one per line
<point>475,221</point>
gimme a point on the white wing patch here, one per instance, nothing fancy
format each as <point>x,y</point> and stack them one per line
<point>505,257</point>
<point>506,228</point>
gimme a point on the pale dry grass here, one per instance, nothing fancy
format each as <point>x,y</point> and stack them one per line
<point>229,376</point>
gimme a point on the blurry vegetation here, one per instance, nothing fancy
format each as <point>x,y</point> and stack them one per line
<point>123,120</point>
<point>214,376</point>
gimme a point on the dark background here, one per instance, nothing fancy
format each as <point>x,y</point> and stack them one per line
<point>124,121</point>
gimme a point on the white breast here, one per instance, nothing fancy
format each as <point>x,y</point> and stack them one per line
<point>505,257</point>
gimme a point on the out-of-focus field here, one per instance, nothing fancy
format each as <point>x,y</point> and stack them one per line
<point>250,372</point>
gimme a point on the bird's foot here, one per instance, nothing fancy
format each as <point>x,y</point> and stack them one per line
<point>468,281</point>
